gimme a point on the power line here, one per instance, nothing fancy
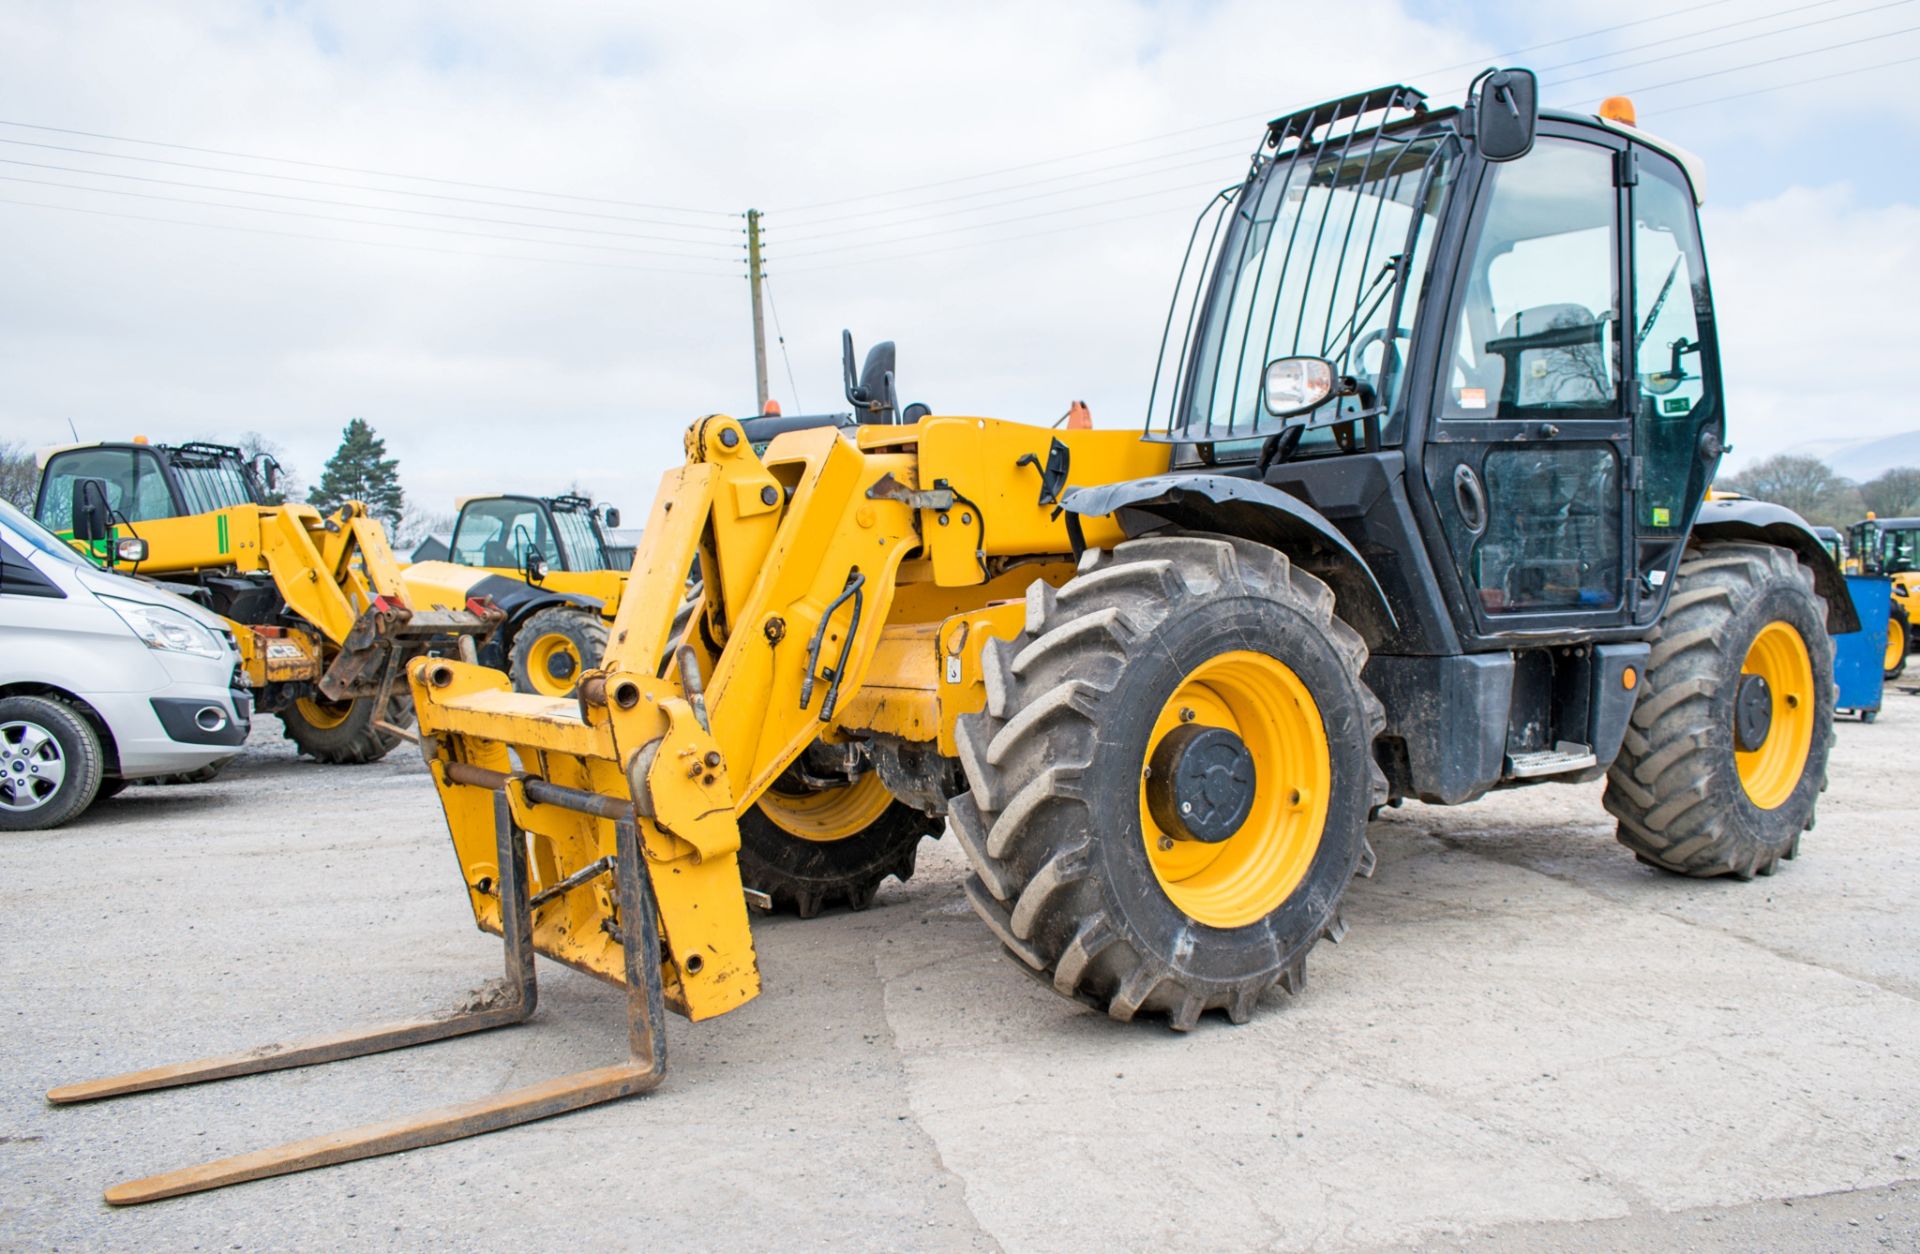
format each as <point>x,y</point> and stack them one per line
<point>369,187</point>
<point>1661,43</point>
<point>1242,119</point>
<point>1798,82</point>
<point>354,169</point>
<point>1016,200</point>
<point>1237,145</point>
<point>324,217</point>
<point>1184,210</point>
<point>1081,175</point>
<point>1744,39</point>
<point>1027,217</point>
<point>370,243</point>
<point>1627,66</point>
<point>351,204</point>
<point>1790,56</point>
<point>799,406</point>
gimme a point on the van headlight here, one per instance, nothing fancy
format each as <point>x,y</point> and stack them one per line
<point>167,629</point>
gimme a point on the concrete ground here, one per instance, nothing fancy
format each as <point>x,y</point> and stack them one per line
<point>1527,1041</point>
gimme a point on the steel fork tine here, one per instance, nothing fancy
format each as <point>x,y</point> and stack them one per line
<point>516,930</point>
<point>646,1067</point>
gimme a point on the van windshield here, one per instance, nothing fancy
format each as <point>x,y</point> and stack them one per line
<point>39,537</point>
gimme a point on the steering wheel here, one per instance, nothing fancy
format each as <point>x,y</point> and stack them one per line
<point>1361,345</point>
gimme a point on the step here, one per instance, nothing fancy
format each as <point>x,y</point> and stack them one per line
<point>1562,759</point>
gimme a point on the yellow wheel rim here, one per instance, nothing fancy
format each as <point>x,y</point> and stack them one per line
<point>1896,644</point>
<point>1771,772</point>
<point>323,714</point>
<point>548,650</point>
<point>830,814</point>
<point>1245,877</point>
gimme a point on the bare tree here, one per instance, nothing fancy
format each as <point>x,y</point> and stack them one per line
<point>253,444</point>
<point>1893,493</point>
<point>17,474</point>
<point>1805,485</point>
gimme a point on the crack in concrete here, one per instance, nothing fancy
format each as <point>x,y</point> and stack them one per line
<point>913,1113</point>
<point>1460,845</point>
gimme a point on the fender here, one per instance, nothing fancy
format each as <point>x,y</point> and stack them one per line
<point>1741,519</point>
<point>1250,510</point>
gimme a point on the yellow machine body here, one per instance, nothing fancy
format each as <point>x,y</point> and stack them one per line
<point>851,586</point>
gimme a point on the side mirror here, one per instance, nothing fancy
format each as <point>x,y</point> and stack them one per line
<point>1506,112</point>
<point>536,568</point>
<point>267,467</point>
<point>92,516</point>
<point>872,396</point>
<point>610,517</point>
<point>1295,385</point>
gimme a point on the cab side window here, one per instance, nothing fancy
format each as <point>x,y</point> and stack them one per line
<point>1675,373</point>
<point>1537,333</point>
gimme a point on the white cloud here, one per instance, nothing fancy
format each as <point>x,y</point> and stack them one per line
<point>1813,292</point>
<point>495,371</point>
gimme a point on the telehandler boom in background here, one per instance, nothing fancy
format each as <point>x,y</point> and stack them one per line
<point>314,603</point>
<point>1417,511</point>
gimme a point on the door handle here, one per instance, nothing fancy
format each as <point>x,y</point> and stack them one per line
<point>1471,499</point>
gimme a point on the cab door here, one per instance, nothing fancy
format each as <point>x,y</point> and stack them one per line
<point>1528,457</point>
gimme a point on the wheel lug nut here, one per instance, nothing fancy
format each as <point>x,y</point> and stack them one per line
<point>1186,714</point>
<point>1166,842</point>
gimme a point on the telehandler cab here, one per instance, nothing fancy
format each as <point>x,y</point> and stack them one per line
<point>545,562</point>
<point>1417,512</point>
<point>1891,547</point>
<point>315,604</point>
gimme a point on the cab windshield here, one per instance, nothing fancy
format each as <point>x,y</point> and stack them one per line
<point>580,539</point>
<point>1315,255</point>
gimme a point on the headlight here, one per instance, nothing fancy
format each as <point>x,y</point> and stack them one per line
<point>167,629</point>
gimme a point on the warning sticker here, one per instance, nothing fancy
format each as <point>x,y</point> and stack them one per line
<point>1473,398</point>
<point>1662,516</point>
<point>1676,405</point>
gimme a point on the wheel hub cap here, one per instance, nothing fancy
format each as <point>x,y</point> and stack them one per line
<point>560,665</point>
<point>1752,712</point>
<point>1200,784</point>
<point>34,766</point>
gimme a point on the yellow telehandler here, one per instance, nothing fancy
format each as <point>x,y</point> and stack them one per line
<point>315,603</point>
<point>1891,547</point>
<point>546,564</point>
<point>1417,511</point>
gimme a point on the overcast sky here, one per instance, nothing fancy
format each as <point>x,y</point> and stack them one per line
<point>1003,188</point>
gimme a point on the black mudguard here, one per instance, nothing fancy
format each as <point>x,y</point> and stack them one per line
<point>519,600</point>
<point>1252,511</point>
<point>1767,523</point>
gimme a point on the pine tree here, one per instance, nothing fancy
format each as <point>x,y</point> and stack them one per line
<point>360,470</point>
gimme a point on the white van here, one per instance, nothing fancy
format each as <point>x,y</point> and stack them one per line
<point>104,681</point>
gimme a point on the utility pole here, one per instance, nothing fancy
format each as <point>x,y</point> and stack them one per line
<point>759,321</point>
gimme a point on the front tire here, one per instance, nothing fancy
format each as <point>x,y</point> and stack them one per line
<point>553,647</point>
<point>50,764</point>
<point>339,733</point>
<point>1174,639</point>
<point>1726,752</point>
<point>1895,662</point>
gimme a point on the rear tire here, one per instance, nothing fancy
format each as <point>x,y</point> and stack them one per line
<point>336,733</point>
<point>1687,798</point>
<point>553,647</point>
<point>1056,822</point>
<point>1898,638</point>
<point>50,763</point>
<point>806,873</point>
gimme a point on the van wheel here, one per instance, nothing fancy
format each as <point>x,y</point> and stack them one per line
<point>50,763</point>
